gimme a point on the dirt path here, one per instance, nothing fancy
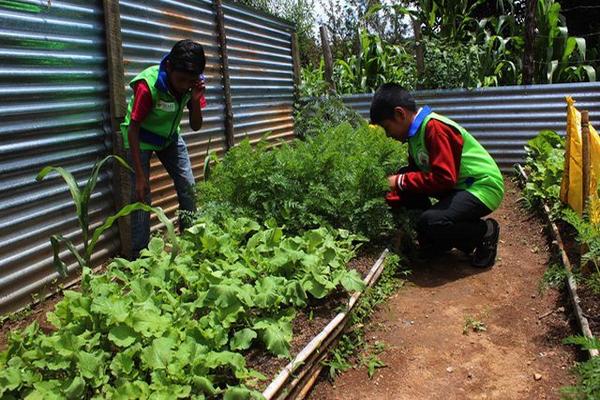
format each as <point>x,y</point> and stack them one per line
<point>427,356</point>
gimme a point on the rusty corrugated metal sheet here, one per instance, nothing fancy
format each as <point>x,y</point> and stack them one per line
<point>504,118</point>
<point>149,30</point>
<point>53,108</point>
<point>261,70</point>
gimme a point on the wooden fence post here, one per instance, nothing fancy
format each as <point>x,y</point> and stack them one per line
<point>585,157</point>
<point>220,20</point>
<point>528,67</point>
<point>327,57</point>
<point>118,108</point>
<point>296,65</point>
<point>419,55</point>
<point>585,173</point>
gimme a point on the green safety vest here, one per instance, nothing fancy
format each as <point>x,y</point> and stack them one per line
<point>479,174</point>
<point>162,124</point>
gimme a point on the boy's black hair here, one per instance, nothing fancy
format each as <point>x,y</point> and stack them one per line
<point>386,98</point>
<point>188,56</point>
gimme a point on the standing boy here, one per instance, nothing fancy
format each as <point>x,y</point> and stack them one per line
<point>447,163</point>
<point>152,125</point>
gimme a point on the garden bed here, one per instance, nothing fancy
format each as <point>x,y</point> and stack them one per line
<point>310,343</point>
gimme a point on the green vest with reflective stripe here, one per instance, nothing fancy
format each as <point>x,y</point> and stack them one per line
<point>163,121</point>
<point>479,174</point>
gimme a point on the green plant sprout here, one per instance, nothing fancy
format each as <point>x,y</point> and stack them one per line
<point>81,199</point>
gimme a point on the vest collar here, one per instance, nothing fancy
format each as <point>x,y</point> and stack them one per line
<point>416,124</point>
<point>162,82</point>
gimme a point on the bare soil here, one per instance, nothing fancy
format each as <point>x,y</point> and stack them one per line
<point>427,354</point>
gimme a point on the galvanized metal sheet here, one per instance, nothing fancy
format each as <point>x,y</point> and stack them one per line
<point>261,71</point>
<point>54,105</point>
<point>504,118</point>
<point>149,31</point>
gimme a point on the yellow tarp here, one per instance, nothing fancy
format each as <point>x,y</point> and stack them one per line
<point>571,185</point>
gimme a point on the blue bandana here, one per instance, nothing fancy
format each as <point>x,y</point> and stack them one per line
<point>416,124</point>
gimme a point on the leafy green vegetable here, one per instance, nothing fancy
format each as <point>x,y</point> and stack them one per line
<point>152,327</point>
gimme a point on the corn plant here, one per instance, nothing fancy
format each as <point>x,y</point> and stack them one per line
<point>559,57</point>
<point>448,18</point>
<point>81,199</point>
<point>379,62</point>
<point>501,49</point>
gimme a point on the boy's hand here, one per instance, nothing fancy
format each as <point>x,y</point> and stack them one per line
<point>392,182</point>
<point>198,91</point>
<point>141,189</point>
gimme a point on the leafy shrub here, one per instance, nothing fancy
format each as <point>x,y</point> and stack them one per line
<point>324,112</point>
<point>450,65</point>
<point>334,178</point>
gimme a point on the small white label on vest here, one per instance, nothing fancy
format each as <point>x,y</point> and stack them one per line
<point>423,158</point>
<point>166,106</point>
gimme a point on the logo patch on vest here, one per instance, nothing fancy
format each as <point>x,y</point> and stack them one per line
<point>423,158</point>
<point>166,106</point>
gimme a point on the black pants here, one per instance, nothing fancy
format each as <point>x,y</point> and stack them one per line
<point>454,222</point>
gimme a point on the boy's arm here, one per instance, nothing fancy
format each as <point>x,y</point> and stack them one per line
<point>195,107</point>
<point>444,145</point>
<point>142,104</point>
<point>141,180</point>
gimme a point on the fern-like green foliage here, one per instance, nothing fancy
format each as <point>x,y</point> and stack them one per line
<point>325,112</point>
<point>335,178</point>
<point>588,387</point>
<point>588,234</point>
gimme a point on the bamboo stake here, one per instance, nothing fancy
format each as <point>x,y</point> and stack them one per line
<point>528,53</point>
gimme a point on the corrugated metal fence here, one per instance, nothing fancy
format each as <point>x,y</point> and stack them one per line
<point>54,110</point>
<point>262,81</point>
<point>504,118</point>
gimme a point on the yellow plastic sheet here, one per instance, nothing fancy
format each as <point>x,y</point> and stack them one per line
<point>571,185</point>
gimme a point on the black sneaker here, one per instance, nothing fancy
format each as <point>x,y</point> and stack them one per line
<point>485,252</point>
